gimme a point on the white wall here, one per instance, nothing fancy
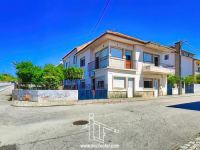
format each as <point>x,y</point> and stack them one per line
<point>186,66</point>
<point>87,56</point>
<point>69,59</point>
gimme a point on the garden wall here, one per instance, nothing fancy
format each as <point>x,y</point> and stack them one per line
<point>44,95</point>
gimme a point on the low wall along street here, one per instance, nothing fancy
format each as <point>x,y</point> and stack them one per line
<point>44,95</point>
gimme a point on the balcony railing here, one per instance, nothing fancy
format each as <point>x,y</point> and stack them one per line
<point>161,68</point>
<point>97,64</point>
<point>115,63</point>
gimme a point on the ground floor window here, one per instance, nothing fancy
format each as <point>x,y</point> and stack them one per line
<point>148,83</point>
<point>119,82</point>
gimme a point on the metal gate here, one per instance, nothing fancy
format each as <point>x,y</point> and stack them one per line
<point>92,94</point>
<point>189,88</point>
<point>169,89</point>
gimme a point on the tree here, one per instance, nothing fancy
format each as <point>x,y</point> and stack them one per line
<point>24,71</point>
<point>189,80</point>
<point>53,76</point>
<point>172,79</point>
<point>73,74</point>
<point>7,78</point>
<point>51,82</point>
<point>48,77</point>
<point>38,76</point>
<point>198,78</point>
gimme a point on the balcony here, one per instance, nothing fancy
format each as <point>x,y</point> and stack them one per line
<point>97,64</point>
<point>161,69</point>
<point>114,63</point>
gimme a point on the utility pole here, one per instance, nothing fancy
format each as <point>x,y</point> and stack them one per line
<point>178,65</point>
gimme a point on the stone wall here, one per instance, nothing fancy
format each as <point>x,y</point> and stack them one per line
<point>44,95</point>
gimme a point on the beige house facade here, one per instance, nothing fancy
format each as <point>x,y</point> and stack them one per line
<point>123,65</point>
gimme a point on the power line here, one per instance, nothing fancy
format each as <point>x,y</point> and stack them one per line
<point>101,16</point>
<point>188,44</point>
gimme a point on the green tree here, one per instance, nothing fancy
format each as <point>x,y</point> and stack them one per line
<point>51,82</point>
<point>198,78</point>
<point>24,72</point>
<point>73,74</point>
<point>53,76</point>
<point>7,78</point>
<point>38,76</point>
<point>189,80</point>
<point>172,79</point>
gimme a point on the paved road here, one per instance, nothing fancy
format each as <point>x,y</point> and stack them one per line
<point>142,125</point>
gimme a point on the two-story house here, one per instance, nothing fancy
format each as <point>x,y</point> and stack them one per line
<point>123,65</point>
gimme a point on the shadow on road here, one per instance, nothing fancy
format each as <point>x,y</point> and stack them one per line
<point>190,106</point>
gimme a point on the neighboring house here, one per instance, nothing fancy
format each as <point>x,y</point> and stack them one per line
<point>124,66</point>
<point>196,66</point>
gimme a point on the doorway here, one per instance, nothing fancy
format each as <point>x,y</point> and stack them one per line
<point>128,61</point>
<point>156,87</point>
<point>156,60</point>
<point>130,87</point>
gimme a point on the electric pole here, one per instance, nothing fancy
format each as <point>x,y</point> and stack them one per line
<point>178,65</point>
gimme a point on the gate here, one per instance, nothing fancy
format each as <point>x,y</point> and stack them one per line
<point>92,94</point>
<point>169,89</point>
<point>189,88</point>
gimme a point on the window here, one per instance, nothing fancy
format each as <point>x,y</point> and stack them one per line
<point>128,55</point>
<point>148,83</point>
<point>82,62</point>
<point>147,57</point>
<point>116,53</point>
<point>119,82</point>
<point>166,57</point>
<point>198,69</point>
<point>100,84</point>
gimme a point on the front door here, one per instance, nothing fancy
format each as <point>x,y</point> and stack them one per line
<point>155,87</point>
<point>130,87</point>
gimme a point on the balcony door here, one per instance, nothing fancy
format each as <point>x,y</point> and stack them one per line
<point>156,60</point>
<point>128,61</point>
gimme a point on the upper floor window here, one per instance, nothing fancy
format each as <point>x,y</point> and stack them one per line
<point>166,57</point>
<point>128,55</point>
<point>102,53</point>
<point>82,62</point>
<point>116,53</point>
<point>147,57</point>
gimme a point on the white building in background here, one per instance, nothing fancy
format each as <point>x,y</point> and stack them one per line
<point>125,66</point>
<point>197,66</point>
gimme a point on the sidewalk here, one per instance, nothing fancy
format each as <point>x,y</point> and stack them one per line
<point>94,101</point>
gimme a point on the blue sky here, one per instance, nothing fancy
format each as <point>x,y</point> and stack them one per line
<point>43,31</point>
